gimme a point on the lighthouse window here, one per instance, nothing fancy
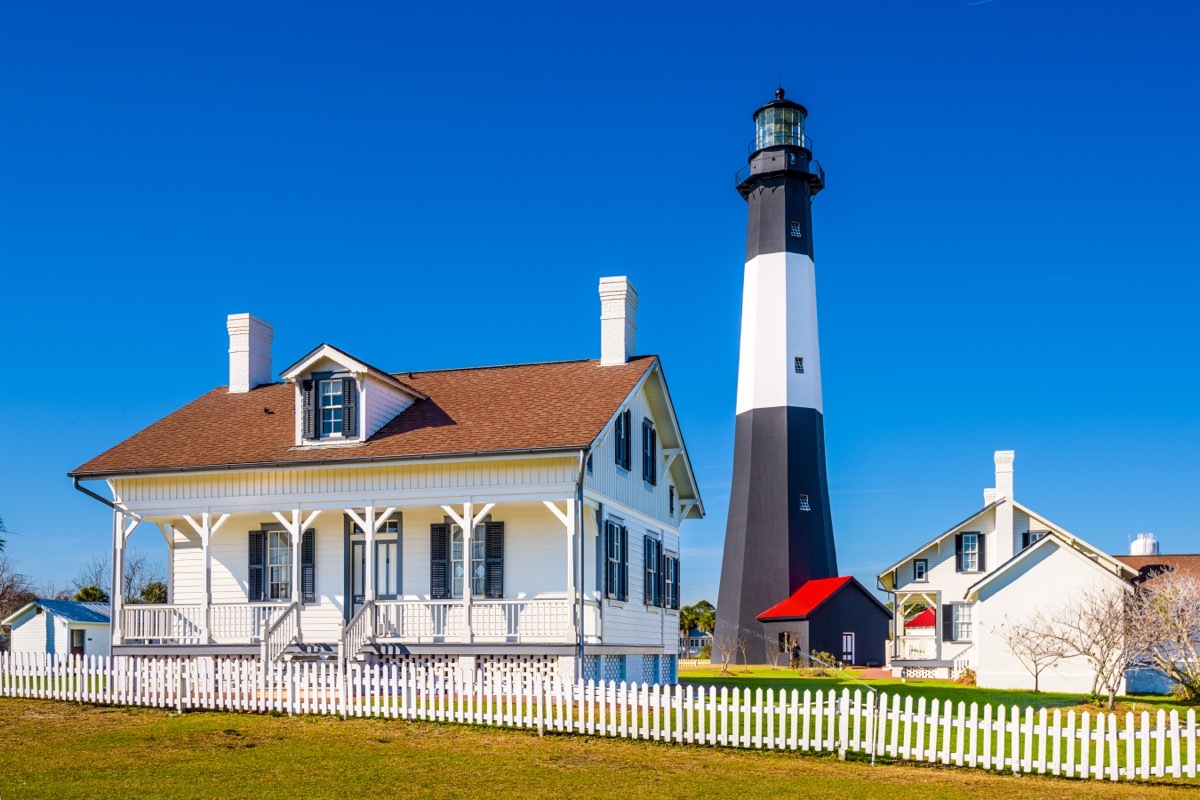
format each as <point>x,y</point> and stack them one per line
<point>799,365</point>
<point>804,506</point>
<point>795,229</point>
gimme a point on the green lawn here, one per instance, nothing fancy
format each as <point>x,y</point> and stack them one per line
<point>53,749</point>
<point>766,677</point>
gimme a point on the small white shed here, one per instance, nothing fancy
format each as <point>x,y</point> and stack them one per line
<point>60,626</point>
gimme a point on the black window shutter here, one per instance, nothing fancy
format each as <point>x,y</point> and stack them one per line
<point>660,583</point>
<point>618,450</point>
<point>310,418</point>
<point>648,588</point>
<point>439,561</point>
<point>349,407</point>
<point>610,583</point>
<point>254,581</point>
<point>653,456</point>
<point>494,560</point>
<point>1024,540</point>
<point>646,450</point>
<point>675,584</point>
<point>671,500</point>
<point>947,623</point>
<point>624,577</point>
<point>958,552</point>
<point>982,550</point>
<point>308,559</point>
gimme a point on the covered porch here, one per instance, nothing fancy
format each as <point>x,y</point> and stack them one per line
<point>347,576</point>
<point>919,646</point>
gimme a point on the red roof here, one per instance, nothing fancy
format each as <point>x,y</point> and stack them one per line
<point>926,619</point>
<point>805,599</point>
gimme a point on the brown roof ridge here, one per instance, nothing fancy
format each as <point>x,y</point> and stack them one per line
<point>517,365</point>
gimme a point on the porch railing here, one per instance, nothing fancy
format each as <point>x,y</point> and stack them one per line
<point>235,623</point>
<point>916,648</point>
<point>163,624</point>
<point>277,635</point>
<point>359,631</point>
<point>420,621</point>
<point>521,620</point>
<point>963,662</point>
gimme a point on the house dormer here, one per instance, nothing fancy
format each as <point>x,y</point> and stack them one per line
<point>341,400</point>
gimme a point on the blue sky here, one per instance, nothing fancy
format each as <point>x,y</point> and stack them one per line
<point>1008,249</point>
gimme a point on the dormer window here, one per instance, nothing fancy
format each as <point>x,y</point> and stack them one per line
<point>330,407</point>
<point>331,394</point>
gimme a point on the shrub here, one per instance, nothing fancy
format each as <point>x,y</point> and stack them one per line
<point>966,677</point>
<point>705,652</point>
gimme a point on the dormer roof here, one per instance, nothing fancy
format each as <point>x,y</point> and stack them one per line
<point>349,363</point>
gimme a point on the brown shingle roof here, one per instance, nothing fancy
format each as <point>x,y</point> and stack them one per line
<point>1149,567</point>
<point>484,409</point>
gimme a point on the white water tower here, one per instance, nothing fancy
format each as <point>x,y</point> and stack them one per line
<point>1146,544</point>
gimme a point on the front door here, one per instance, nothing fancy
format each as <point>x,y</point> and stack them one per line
<point>77,638</point>
<point>848,648</point>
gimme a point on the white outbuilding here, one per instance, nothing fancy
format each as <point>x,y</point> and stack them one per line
<point>63,627</point>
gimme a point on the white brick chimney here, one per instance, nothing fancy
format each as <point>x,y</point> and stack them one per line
<point>1006,544</point>
<point>249,352</point>
<point>618,320</point>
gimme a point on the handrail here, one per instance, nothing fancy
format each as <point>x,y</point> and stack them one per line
<point>359,630</point>
<point>279,634</point>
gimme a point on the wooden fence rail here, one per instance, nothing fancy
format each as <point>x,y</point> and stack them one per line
<point>1098,745</point>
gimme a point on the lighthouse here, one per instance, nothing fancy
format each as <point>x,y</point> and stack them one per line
<point>779,534</point>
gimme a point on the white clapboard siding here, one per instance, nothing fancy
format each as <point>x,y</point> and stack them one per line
<point>1100,746</point>
<point>350,482</point>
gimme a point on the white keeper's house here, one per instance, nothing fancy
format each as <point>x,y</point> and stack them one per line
<point>524,516</point>
<point>998,566</point>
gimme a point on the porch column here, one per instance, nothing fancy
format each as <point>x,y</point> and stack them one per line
<point>205,529</point>
<point>168,534</point>
<point>296,526</point>
<point>467,522</point>
<point>121,531</point>
<point>568,519</point>
<point>370,524</point>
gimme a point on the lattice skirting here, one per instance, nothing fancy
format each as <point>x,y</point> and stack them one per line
<point>926,672</point>
<point>530,667</point>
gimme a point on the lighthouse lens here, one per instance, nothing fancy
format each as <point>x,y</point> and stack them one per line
<point>777,127</point>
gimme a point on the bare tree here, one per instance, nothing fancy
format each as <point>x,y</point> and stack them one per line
<point>773,648</point>
<point>1093,627</point>
<point>729,643</point>
<point>140,572</point>
<point>16,588</point>
<point>1033,645</point>
<point>1164,630</point>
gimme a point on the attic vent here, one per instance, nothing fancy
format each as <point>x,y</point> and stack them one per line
<point>804,506</point>
<point>795,229</point>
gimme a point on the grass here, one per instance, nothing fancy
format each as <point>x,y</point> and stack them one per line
<point>782,678</point>
<point>54,749</point>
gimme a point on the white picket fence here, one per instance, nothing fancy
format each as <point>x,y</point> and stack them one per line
<point>1088,745</point>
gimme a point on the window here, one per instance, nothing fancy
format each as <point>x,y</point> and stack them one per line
<point>799,365</point>
<point>616,572</point>
<point>331,408</point>
<point>460,569</point>
<point>969,561</point>
<point>653,586</point>
<point>671,582</point>
<point>279,565</point>
<point>962,622</point>
<point>622,449</point>
<point>796,229</point>
<point>921,570</point>
<point>649,453</point>
<point>804,506</point>
<point>589,464</point>
<point>1029,537</point>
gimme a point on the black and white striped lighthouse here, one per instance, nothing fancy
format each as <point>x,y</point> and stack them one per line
<point>779,533</point>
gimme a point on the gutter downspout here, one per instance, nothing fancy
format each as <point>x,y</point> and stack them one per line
<point>579,579</point>
<point>90,493</point>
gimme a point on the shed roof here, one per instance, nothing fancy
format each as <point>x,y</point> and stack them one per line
<point>926,619</point>
<point>70,610</point>
<point>806,599</point>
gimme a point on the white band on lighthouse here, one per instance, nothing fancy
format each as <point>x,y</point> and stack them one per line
<point>779,325</point>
